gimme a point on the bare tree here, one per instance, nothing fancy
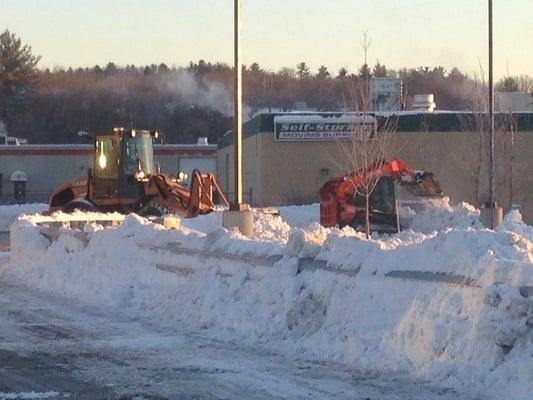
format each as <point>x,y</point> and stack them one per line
<point>365,43</point>
<point>364,154</point>
<point>476,123</point>
<point>513,172</point>
<point>509,170</point>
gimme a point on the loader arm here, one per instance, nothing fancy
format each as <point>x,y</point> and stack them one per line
<point>187,202</point>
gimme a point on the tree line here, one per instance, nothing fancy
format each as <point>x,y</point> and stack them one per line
<point>50,106</point>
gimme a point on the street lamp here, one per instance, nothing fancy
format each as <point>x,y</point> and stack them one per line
<point>237,103</point>
<point>239,215</point>
<point>491,215</point>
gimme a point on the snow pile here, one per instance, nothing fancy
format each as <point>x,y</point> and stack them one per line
<point>9,213</point>
<point>301,216</point>
<point>439,215</point>
<point>271,227</point>
<point>268,226</point>
<point>204,223</point>
<point>477,334</point>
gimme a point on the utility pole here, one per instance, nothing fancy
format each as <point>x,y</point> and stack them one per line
<point>491,214</point>
<point>237,103</point>
<point>239,215</point>
<point>491,115</point>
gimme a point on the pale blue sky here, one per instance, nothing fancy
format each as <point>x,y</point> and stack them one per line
<point>276,32</point>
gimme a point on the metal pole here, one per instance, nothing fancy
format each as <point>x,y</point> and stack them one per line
<point>492,168</point>
<point>237,99</point>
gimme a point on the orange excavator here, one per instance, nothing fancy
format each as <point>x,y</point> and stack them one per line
<point>342,200</point>
<point>124,178</point>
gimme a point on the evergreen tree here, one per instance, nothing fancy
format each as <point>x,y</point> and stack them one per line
<point>364,72</point>
<point>302,70</point>
<point>111,68</point>
<point>17,73</point>
<point>162,68</point>
<point>508,84</point>
<point>323,72</point>
<point>343,72</point>
<point>255,68</point>
<point>379,71</point>
<point>456,75</point>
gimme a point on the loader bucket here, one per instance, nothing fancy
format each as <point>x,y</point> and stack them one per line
<point>425,185</point>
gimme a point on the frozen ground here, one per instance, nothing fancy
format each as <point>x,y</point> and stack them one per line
<point>354,313</point>
<point>56,348</point>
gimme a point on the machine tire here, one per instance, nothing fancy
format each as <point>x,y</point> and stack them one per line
<point>81,205</point>
<point>153,207</point>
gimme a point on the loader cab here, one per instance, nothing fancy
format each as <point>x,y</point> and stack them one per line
<point>118,157</point>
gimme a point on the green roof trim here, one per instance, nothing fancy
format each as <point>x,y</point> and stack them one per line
<point>405,121</point>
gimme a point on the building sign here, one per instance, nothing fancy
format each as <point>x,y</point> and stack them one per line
<point>296,128</point>
<point>386,94</point>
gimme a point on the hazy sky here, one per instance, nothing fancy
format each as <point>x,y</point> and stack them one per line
<point>277,33</point>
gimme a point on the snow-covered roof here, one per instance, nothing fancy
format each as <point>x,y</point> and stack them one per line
<point>405,121</point>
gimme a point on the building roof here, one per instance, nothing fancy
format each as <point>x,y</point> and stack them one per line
<point>404,121</point>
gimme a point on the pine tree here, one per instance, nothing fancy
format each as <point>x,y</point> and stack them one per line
<point>323,72</point>
<point>508,84</point>
<point>17,73</point>
<point>302,70</point>
<point>255,68</point>
<point>343,72</point>
<point>364,72</point>
<point>379,71</point>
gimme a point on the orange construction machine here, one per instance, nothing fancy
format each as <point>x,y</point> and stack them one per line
<point>124,178</point>
<point>342,202</point>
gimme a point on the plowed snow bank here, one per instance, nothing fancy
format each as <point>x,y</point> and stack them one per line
<point>478,336</point>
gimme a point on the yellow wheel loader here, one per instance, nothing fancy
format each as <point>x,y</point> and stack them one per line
<point>124,178</point>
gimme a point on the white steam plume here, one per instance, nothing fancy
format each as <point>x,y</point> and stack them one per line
<point>211,95</point>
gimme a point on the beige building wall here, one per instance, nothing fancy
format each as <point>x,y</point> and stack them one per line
<point>253,190</point>
<point>292,172</point>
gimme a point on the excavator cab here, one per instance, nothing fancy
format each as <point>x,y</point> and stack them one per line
<point>382,203</point>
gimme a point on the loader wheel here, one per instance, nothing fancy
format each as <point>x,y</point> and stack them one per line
<point>83,206</point>
<point>154,207</point>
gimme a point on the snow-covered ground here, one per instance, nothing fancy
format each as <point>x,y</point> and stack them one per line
<point>447,301</point>
<point>55,348</point>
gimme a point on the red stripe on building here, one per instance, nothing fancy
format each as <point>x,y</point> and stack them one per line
<point>70,151</point>
<point>44,152</point>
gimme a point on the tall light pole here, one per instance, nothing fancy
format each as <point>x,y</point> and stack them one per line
<point>237,106</point>
<point>491,214</point>
<point>239,215</point>
<point>491,202</point>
